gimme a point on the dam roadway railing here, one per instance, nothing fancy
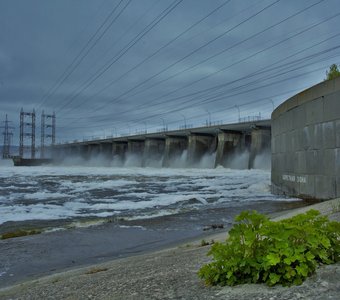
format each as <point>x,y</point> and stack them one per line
<point>224,141</point>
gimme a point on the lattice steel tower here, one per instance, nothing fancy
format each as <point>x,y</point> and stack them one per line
<point>24,125</point>
<point>48,122</point>
<point>8,134</point>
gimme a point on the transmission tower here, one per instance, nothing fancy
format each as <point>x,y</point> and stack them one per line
<point>24,125</point>
<point>8,134</point>
<point>48,122</point>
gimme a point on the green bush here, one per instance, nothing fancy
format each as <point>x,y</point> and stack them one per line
<point>262,251</point>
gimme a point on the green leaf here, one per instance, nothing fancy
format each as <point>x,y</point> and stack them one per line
<point>274,278</point>
<point>302,270</point>
<point>310,256</point>
<point>273,259</point>
<point>285,252</point>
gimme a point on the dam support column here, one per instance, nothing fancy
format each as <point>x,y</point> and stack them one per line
<point>199,145</point>
<point>106,150</point>
<point>174,147</point>
<point>93,150</point>
<point>136,147</point>
<point>119,150</point>
<point>153,152</point>
<point>84,151</point>
<point>229,144</point>
<point>135,153</point>
<point>260,144</point>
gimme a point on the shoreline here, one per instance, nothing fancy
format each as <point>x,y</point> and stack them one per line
<point>34,256</point>
<point>171,273</point>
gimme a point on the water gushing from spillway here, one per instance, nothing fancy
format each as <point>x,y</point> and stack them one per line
<point>238,160</point>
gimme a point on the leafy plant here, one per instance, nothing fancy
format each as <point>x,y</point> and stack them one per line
<point>262,251</point>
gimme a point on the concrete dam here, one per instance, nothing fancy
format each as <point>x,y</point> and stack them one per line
<point>306,143</point>
<point>302,138</point>
<point>221,142</point>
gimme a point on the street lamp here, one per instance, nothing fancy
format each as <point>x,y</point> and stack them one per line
<point>164,127</point>
<point>209,119</point>
<point>239,113</point>
<point>271,100</point>
<point>185,121</point>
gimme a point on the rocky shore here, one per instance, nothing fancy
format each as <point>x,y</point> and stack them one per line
<point>172,274</point>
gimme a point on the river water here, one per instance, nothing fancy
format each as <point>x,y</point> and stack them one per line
<point>89,214</point>
<point>83,193</point>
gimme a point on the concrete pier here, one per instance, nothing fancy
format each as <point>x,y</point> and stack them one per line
<point>119,150</point>
<point>229,143</point>
<point>106,150</point>
<point>260,143</point>
<point>153,152</point>
<point>93,150</point>
<point>198,145</point>
<point>136,147</point>
<point>174,147</point>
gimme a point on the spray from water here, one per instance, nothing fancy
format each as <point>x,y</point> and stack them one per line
<point>132,160</point>
<point>263,161</point>
<point>207,161</point>
<point>239,161</point>
<point>179,161</point>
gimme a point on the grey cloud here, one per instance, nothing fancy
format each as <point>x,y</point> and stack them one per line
<point>39,39</point>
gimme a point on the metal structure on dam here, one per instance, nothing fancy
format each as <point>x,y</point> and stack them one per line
<point>225,141</point>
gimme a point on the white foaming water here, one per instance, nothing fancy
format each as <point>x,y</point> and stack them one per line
<point>263,161</point>
<point>132,160</point>
<point>52,193</point>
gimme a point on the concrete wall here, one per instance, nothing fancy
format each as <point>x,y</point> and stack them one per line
<point>306,143</point>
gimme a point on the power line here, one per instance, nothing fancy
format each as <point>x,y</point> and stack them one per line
<point>116,100</point>
<point>223,69</point>
<point>166,12</point>
<point>241,60</point>
<point>223,51</point>
<point>160,49</point>
<point>83,52</point>
<point>227,95</point>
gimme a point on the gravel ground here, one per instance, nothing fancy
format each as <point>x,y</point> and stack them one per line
<point>172,274</point>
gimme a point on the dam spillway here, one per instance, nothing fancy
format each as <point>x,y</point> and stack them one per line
<point>162,149</point>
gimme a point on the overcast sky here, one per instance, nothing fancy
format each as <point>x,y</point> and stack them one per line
<point>112,67</point>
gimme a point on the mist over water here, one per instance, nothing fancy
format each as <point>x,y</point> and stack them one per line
<point>121,188</point>
<point>97,209</point>
<point>263,161</point>
<point>237,161</point>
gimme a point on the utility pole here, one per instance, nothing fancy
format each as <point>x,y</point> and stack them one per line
<point>8,134</point>
<point>23,133</point>
<point>48,122</point>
